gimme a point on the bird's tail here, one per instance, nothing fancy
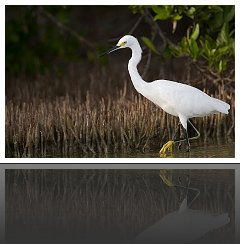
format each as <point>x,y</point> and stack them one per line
<point>221,106</point>
<point>221,220</point>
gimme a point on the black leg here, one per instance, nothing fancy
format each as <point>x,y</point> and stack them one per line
<point>183,190</point>
<point>180,139</point>
<point>187,139</point>
<point>197,132</point>
<point>169,145</point>
<point>177,135</point>
<point>177,132</point>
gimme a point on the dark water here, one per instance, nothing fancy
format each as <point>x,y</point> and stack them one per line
<point>217,148</point>
<point>211,149</point>
<point>110,206</point>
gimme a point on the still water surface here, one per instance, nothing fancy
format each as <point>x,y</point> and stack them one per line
<point>120,204</point>
<point>199,149</point>
<point>217,148</point>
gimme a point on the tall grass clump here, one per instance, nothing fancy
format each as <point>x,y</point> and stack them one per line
<point>96,114</point>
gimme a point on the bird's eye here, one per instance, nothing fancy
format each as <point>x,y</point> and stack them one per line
<point>123,43</point>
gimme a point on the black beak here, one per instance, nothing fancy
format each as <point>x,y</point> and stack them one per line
<point>110,50</point>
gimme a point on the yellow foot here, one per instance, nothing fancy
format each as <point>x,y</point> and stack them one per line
<point>167,147</point>
<point>167,176</point>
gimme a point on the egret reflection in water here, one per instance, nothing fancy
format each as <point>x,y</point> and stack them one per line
<point>184,225</point>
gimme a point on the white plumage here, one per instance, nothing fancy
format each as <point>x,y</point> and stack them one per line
<point>182,100</point>
<point>174,98</point>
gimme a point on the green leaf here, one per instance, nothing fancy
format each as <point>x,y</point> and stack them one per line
<point>161,17</point>
<point>167,53</point>
<point>223,36</point>
<point>213,52</point>
<point>223,50</point>
<point>150,44</point>
<point>191,11</point>
<point>194,49</point>
<point>137,9</point>
<point>220,66</point>
<point>195,32</point>
<point>229,13</point>
<point>156,9</point>
<point>216,22</point>
<point>208,48</point>
<point>176,17</point>
<point>162,12</point>
<point>215,8</point>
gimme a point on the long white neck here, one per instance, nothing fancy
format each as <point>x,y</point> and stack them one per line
<point>137,80</point>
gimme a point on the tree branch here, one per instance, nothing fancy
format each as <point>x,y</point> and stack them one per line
<point>66,28</point>
<point>136,25</point>
<point>157,28</point>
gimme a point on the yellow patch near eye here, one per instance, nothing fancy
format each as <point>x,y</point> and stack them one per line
<point>122,44</point>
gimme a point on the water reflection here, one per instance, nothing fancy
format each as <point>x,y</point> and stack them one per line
<point>218,148</point>
<point>115,206</point>
<point>199,149</point>
<point>184,225</point>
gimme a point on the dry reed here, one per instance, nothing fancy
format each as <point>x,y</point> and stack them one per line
<point>92,116</point>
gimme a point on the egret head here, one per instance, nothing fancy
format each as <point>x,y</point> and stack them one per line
<point>126,41</point>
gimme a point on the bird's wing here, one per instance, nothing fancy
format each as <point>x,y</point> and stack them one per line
<point>177,98</point>
<point>182,227</point>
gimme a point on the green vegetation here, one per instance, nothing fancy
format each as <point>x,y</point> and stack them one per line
<point>39,39</point>
<point>210,34</point>
<point>43,38</point>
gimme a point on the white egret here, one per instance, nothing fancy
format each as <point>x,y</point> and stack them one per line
<point>182,226</point>
<point>177,99</point>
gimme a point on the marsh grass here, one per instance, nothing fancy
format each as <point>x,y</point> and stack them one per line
<point>115,204</point>
<point>95,115</point>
